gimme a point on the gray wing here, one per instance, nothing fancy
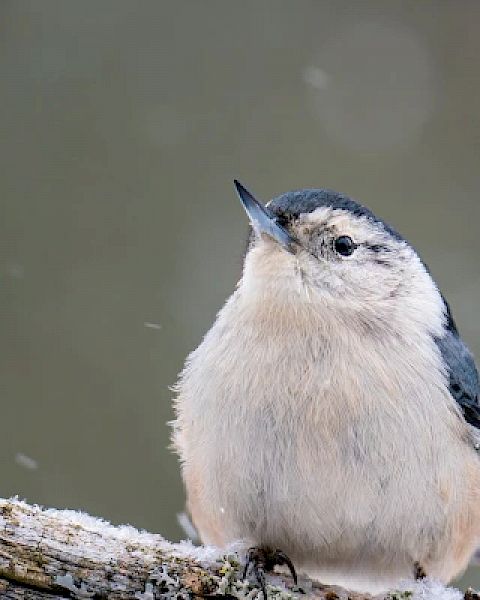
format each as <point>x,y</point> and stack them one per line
<point>463,374</point>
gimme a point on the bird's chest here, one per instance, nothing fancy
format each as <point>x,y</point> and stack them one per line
<point>299,426</point>
<point>313,421</point>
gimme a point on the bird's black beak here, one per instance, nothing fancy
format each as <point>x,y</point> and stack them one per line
<point>262,220</point>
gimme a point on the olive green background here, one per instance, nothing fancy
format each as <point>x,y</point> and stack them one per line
<point>122,125</point>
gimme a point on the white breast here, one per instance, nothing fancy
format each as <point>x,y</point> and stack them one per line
<point>314,435</point>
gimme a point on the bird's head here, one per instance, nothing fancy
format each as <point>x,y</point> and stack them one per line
<point>321,248</point>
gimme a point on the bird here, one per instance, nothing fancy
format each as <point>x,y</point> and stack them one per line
<point>330,417</point>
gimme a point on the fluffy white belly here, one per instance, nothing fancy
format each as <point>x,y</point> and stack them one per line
<point>286,443</point>
<point>344,508</point>
<point>285,482</point>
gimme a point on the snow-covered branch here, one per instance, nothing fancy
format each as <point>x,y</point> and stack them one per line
<point>56,554</point>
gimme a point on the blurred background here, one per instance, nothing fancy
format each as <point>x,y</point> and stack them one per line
<point>122,125</point>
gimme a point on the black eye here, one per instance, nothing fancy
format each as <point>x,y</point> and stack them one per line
<point>344,245</point>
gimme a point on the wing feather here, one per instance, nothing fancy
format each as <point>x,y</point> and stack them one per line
<point>463,375</point>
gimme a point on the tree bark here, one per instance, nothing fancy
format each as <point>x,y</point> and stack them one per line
<point>57,554</point>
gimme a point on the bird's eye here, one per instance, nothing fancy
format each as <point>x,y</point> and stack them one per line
<point>344,245</point>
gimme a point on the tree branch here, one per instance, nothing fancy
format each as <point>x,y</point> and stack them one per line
<point>57,554</point>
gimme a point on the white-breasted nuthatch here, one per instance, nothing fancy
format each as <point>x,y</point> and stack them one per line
<point>332,409</point>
